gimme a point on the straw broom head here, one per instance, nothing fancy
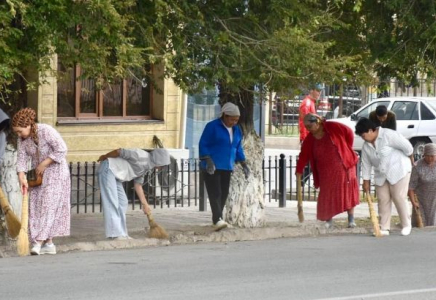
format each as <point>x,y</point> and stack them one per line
<point>12,223</point>
<point>156,231</point>
<point>23,238</point>
<point>300,200</point>
<point>373,216</point>
<point>417,213</point>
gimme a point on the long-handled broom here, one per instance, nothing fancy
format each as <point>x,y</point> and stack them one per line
<point>23,238</point>
<point>300,200</point>
<point>417,213</point>
<point>156,231</point>
<point>12,223</point>
<point>373,216</point>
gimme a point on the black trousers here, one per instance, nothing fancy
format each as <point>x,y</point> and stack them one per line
<point>217,186</point>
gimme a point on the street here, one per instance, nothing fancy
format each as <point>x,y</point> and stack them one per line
<point>328,267</point>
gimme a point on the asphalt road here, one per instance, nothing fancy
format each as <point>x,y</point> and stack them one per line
<point>329,267</point>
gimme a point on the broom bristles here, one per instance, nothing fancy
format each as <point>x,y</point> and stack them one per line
<point>23,238</point>
<point>373,216</point>
<point>300,200</point>
<point>13,225</point>
<point>156,231</point>
<point>416,211</point>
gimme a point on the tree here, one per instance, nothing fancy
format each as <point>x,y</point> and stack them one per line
<point>400,37</point>
<point>94,34</point>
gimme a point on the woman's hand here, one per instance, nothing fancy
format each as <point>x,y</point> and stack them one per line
<point>102,158</point>
<point>146,209</point>
<point>23,182</point>
<point>40,168</point>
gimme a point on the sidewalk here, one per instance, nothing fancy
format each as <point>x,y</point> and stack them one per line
<point>187,225</point>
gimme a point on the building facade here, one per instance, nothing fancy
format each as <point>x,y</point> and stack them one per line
<point>127,114</point>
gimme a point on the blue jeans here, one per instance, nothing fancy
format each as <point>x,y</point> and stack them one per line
<point>114,200</point>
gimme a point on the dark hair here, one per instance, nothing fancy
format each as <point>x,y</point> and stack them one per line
<point>364,125</point>
<point>312,119</point>
<point>381,110</point>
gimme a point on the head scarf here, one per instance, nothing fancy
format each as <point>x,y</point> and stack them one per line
<point>160,157</point>
<point>25,117</point>
<point>311,118</point>
<point>230,109</point>
<point>430,149</point>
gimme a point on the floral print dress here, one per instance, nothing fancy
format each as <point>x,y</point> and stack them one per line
<point>49,203</point>
<point>423,181</point>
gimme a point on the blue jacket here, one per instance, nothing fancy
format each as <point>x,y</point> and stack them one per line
<point>215,142</point>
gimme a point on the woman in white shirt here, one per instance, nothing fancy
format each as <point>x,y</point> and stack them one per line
<point>391,155</point>
<point>116,167</point>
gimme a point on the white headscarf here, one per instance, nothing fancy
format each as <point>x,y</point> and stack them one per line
<point>230,109</point>
<point>160,157</point>
<point>430,149</point>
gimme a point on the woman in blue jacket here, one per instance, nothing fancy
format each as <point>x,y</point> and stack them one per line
<point>220,148</point>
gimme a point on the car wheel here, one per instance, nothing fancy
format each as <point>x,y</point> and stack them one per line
<point>418,147</point>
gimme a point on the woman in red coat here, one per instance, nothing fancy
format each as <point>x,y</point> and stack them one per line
<point>329,150</point>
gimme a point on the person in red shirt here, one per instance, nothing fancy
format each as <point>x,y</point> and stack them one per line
<point>308,106</point>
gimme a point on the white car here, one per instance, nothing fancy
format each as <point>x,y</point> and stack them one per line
<point>416,119</point>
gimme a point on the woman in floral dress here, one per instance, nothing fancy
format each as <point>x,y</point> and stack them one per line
<point>423,184</point>
<point>49,204</point>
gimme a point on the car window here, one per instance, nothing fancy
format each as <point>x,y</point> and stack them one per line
<point>426,114</point>
<point>405,110</point>
<point>430,104</point>
<point>364,113</point>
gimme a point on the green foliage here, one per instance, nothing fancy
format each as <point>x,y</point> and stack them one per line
<point>280,44</point>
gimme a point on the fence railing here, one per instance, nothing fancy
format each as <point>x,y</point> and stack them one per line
<point>180,184</point>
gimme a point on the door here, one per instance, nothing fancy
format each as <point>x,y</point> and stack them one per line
<point>407,115</point>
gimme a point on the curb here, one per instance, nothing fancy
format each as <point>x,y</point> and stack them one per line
<point>202,234</point>
<point>224,236</point>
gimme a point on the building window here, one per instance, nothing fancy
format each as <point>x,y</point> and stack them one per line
<point>129,98</point>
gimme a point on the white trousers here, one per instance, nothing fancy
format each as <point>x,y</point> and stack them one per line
<point>397,193</point>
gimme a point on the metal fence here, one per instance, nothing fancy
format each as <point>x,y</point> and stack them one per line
<point>181,184</point>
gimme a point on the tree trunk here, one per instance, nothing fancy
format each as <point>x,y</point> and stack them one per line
<point>245,203</point>
<point>341,100</point>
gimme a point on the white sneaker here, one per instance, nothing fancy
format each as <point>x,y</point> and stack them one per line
<point>384,232</point>
<point>406,230</point>
<point>351,224</point>
<point>220,225</point>
<point>35,249</point>
<point>48,249</point>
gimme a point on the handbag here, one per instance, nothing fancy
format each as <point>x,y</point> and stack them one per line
<point>34,179</point>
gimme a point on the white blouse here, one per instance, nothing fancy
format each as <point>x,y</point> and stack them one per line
<point>389,157</point>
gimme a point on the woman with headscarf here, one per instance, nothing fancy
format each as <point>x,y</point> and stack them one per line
<point>220,148</point>
<point>49,203</point>
<point>423,184</point>
<point>329,149</point>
